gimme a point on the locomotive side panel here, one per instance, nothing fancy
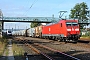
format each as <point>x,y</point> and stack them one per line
<point>54,31</point>
<point>58,29</point>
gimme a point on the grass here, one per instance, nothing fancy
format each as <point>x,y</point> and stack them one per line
<point>17,50</point>
<point>87,37</point>
<point>7,52</point>
<point>3,44</point>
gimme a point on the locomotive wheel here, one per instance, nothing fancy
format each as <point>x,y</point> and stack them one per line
<point>62,39</point>
<point>54,38</point>
<point>66,40</point>
<point>76,40</point>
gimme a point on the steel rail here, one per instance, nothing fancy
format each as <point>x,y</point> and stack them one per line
<point>39,52</point>
<point>57,51</point>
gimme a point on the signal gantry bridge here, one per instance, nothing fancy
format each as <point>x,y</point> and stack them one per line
<point>37,19</point>
<point>28,19</point>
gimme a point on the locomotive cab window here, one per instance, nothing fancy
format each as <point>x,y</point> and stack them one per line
<point>9,31</point>
<point>74,24</point>
<point>71,24</point>
<point>68,23</point>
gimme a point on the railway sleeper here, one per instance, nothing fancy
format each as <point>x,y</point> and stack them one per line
<point>59,54</point>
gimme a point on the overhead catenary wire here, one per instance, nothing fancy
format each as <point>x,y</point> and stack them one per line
<point>30,7</point>
<point>33,3</point>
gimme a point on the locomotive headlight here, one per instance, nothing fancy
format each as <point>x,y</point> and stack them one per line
<point>65,36</point>
<point>77,29</point>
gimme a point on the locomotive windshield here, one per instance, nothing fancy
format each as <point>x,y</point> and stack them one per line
<point>74,24</point>
<point>9,31</point>
<point>71,24</point>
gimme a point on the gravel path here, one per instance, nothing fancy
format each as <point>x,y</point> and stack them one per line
<point>10,53</point>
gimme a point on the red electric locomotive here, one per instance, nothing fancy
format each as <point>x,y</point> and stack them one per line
<point>64,30</point>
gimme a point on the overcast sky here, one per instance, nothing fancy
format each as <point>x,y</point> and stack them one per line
<point>36,8</point>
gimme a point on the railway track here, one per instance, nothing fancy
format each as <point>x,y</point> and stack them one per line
<point>80,46</point>
<point>83,41</point>
<point>49,53</point>
<point>79,41</point>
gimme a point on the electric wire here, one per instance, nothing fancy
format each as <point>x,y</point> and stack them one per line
<point>30,7</point>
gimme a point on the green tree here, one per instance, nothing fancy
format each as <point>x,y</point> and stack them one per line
<point>80,12</point>
<point>35,23</point>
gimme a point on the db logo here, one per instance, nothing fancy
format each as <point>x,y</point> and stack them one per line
<point>72,29</point>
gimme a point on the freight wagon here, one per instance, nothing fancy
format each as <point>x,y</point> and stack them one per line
<point>38,31</point>
<point>19,33</point>
<point>30,32</point>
